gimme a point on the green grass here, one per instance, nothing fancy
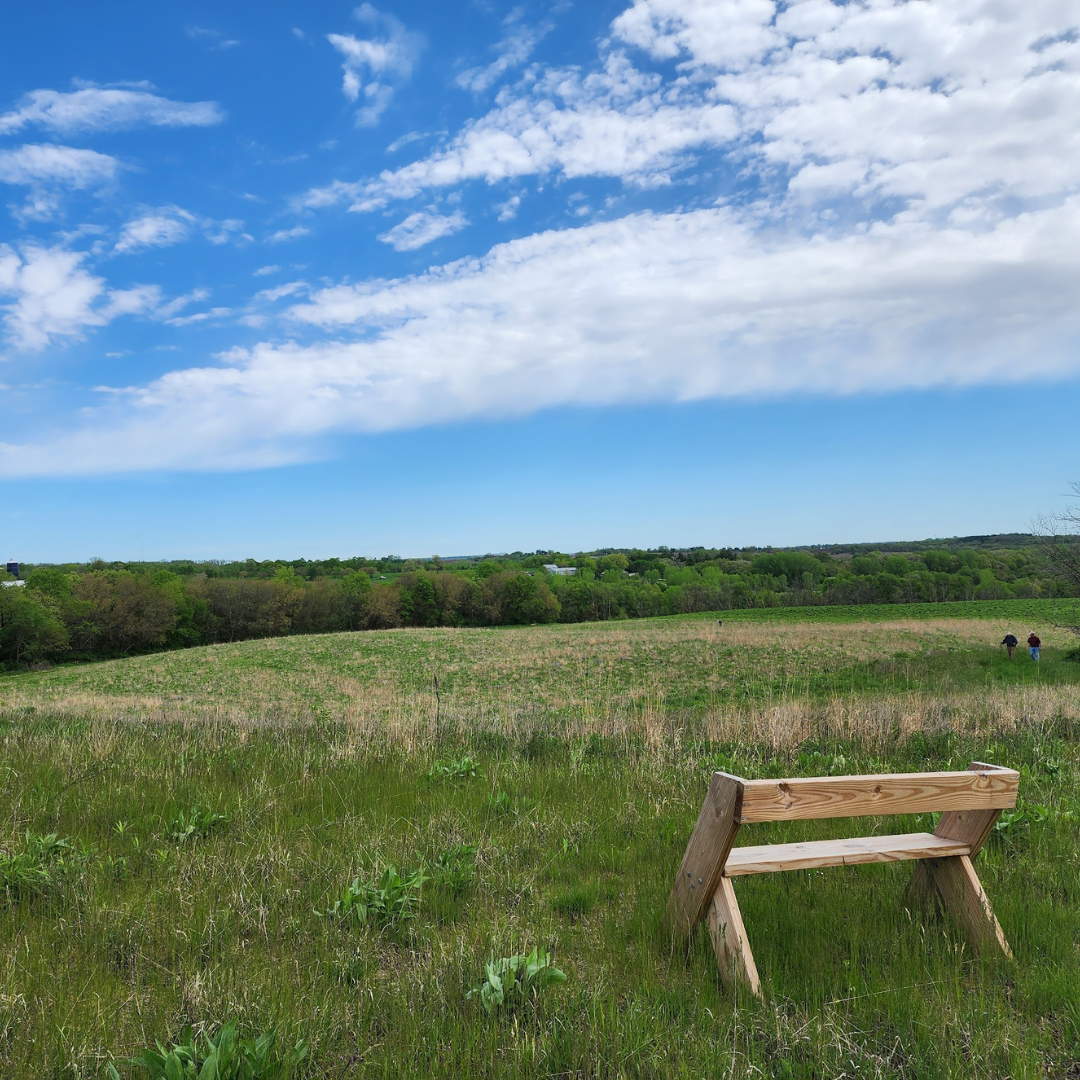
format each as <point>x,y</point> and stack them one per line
<point>557,678</point>
<point>162,914</point>
<point>1038,611</point>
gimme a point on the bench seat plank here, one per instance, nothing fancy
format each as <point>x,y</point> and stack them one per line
<point>769,858</point>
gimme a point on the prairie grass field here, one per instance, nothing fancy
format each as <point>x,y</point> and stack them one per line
<point>176,828</point>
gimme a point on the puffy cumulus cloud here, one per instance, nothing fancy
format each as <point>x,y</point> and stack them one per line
<point>935,107</point>
<point>372,66</point>
<point>615,122</point>
<point>50,296</point>
<point>663,307</point>
<point>422,228</point>
<point>97,108</point>
<point>930,107</point>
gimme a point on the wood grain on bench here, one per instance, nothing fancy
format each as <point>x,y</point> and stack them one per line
<point>768,858</point>
<point>804,798</point>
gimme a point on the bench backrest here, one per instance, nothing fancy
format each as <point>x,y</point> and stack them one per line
<point>983,787</point>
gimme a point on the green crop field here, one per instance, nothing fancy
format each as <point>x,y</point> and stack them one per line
<point>180,834</point>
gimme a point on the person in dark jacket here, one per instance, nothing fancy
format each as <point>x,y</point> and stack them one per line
<point>1010,643</point>
<point>1033,645</point>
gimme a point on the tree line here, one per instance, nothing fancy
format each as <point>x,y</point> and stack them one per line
<point>98,610</point>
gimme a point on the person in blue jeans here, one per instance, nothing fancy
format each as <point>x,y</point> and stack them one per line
<point>1033,645</point>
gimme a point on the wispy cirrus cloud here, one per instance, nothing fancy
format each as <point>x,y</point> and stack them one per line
<point>515,47</point>
<point>422,228</point>
<point>98,108</point>
<point>162,228</point>
<point>48,170</point>
<point>213,39</point>
<point>664,307</point>
<point>167,225</point>
<point>64,166</point>
<point>294,233</point>
<point>374,65</point>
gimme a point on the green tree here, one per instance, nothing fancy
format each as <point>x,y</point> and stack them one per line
<point>123,611</point>
<point>518,598</point>
<point>356,589</point>
<point>31,625</point>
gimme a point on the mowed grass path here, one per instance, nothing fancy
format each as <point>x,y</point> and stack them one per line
<point>593,748</point>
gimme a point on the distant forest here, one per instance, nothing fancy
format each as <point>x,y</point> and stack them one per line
<point>108,609</point>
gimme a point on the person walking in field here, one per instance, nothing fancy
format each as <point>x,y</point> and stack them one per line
<point>1033,645</point>
<point>1010,643</point>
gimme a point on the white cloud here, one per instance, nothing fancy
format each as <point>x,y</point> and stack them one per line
<point>513,50</point>
<point>170,225</point>
<point>926,107</point>
<point>264,270</point>
<point>50,296</point>
<point>958,104</point>
<point>214,39</point>
<point>404,140</point>
<point>422,228</point>
<point>616,122</point>
<point>294,233</point>
<point>913,221</point>
<point>200,316</point>
<point>96,108</point>
<point>374,66</point>
<point>508,210</point>
<point>47,170</point>
<point>166,311</point>
<point>278,291</point>
<point>663,307</point>
<point>49,164</point>
<point>225,231</point>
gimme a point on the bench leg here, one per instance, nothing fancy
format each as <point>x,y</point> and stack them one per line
<point>729,939</point>
<point>955,882</point>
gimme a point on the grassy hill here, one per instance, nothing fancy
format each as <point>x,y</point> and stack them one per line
<point>214,800</point>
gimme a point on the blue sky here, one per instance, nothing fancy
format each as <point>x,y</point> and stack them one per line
<point>422,278</point>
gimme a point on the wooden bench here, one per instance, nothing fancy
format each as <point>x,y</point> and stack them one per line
<point>971,802</point>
